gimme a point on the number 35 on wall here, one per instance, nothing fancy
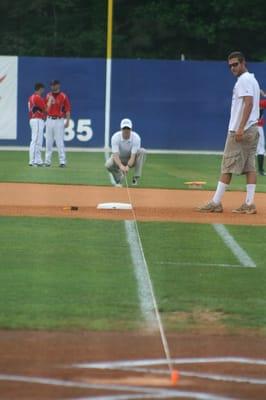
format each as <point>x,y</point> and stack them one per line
<point>83,132</point>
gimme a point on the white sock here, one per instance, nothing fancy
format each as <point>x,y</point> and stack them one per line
<point>221,188</point>
<point>251,187</point>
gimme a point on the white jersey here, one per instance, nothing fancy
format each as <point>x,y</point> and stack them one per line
<point>125,147</point>
<point>246,85</point>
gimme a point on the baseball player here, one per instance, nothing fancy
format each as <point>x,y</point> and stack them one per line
<point>261,142</point>
<point>37,114</point>
<point>242,139</point>
<point>57,112</point>
<point>126,153</point>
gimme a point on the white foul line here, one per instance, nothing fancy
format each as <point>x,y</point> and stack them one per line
<point>144,293</point>
<point>177,361</point>
<point>235,248</point>
<point>158,392</point>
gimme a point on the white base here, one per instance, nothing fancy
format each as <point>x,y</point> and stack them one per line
<point>114,206</point>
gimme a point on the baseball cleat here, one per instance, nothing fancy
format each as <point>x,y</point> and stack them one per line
<point>245,209</point>
<point>62,165</point>
<point>135,181</point>
<point>47,165</point>
<point>211,207</point>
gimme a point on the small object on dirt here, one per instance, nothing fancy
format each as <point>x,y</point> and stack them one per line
<point>114,206</point>
<point>175,376</point>
<point>71,208</point>
<point>195,184</point>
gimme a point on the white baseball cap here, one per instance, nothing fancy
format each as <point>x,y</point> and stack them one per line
<point>126,123</point>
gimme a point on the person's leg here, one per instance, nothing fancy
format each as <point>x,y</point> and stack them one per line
<point>49,140</point>
<point>111,166</point>
<point>59,140</point>
<point>229,165</point>
<point>40,124</point>
<point>33,143</point>
<point>140,160</point>
<point>222,185</point>
<point>261,151</point>
<point>250,143</point>
<point>251,187</point>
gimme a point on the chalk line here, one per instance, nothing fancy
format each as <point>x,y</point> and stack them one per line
<point>177,361</point>
<point>235,248</point>
<point>159,392</point>
<point>144,292</point>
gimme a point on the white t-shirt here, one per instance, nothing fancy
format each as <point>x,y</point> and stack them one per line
<point>246,85</point>
<point>125,147</point>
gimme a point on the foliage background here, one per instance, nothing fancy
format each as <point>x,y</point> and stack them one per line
<point>162,29</point>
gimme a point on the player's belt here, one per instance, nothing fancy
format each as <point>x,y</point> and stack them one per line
<point>52,117</point>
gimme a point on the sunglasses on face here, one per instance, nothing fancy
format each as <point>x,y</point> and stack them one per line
<point>235,64</point>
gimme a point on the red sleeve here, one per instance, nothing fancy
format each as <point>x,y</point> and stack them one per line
<point>263,103</point>
<point>67,104</point>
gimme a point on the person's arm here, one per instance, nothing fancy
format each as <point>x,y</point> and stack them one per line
<point>67,108</point>
<point>248,104</point>
<point>132,160</point>
<point>123,168</point>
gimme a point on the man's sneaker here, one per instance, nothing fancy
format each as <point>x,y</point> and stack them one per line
<point>118,185</point>
<point>135,180</point>
<point>62,165</point>
<point>262,173</point>
<point>246,209</point>
<point>211,207</point>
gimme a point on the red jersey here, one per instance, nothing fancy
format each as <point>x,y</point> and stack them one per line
<point>60,105</point>
<point>37,106</point>
<point>261,120</point>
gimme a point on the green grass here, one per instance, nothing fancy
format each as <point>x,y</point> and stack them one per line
<point>57,273</point>
<point>160,170</point>
<point>78,274</point>
<point>82,169</point>
<point>234,297</point>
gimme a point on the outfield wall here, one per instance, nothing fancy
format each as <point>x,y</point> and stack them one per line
<point>175,105</point>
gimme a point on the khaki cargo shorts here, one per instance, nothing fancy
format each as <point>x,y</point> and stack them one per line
<point>240,157</point>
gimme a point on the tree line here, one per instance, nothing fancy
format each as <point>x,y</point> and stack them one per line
<point>160,29</point>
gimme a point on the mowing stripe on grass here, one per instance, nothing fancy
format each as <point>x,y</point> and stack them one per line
<point>199,264</point>
<point>231,243</point>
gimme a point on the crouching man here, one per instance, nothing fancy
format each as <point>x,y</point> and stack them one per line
<point>126,154</point>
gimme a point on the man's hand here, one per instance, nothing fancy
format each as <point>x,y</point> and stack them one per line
<point>66,123</point>
<point>239,135</point>
<point>124,168</point>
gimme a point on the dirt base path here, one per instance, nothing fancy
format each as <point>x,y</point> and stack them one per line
<point>43,366</point>
<point>149,204</point>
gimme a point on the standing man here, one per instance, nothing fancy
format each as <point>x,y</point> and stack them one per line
<point>241,144</point>
<point>126,154</point>
<point>57,112</point>
<point>37,114</point>
<point>261,142</point>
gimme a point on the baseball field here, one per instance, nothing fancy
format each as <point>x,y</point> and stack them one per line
<point>77,314</point>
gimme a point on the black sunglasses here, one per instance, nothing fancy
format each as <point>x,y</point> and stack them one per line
<point>233,64</point>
